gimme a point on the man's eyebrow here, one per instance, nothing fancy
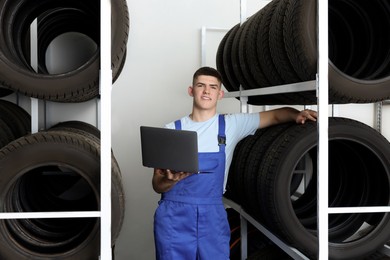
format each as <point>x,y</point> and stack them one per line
<point>201,83</point>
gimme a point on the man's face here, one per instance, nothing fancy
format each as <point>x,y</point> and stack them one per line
<point>206,92</point>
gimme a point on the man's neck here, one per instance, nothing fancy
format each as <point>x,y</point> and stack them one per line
<point>202,116</point>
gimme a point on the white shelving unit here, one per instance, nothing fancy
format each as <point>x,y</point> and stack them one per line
<point>105,169</point>
<point>244,216</point>
<point>321,86</point>
<point>105,136</point>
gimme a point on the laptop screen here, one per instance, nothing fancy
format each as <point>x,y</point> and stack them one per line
<point>172,149</point>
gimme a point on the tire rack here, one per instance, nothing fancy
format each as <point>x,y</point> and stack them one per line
<point>244,216</point>
<point>321,86</point>
<point>105,162</point>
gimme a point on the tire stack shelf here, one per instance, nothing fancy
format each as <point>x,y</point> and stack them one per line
<point>321,86</point>
<point>244,216</point>
<point>105,163</point>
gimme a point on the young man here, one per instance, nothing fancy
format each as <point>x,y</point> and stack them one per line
<point>190,221</point>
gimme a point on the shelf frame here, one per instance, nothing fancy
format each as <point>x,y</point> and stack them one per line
<point>245,218</point>
<point>321,85</point>
<point>105,136</point>
<point>105,81</point>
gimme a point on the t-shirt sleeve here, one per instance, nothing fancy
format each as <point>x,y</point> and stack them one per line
<point>170,125</point>
<point>242,125</point>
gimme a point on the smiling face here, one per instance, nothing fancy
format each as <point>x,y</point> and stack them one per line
<point>206,91</point>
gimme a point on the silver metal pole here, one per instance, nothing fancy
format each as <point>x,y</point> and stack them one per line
<point>243,11</point>
<point>34,65</point>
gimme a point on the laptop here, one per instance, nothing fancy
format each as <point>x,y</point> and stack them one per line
<point>172,149</point>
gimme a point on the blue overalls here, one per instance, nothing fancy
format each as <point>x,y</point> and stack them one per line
<point>190,221</point>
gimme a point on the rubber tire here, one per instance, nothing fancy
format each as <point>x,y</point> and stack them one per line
<point>280,160</point>
<point>60,148</point>
<point>78,85</point>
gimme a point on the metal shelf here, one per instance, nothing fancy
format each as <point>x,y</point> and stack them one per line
<point>245,217</point>
<point>105,115</point>
<point>287,88</point>
<point>321,86</point>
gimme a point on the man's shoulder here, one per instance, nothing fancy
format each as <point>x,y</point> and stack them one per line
<point>233,116</point>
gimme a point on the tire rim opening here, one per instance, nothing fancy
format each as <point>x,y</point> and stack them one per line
<point>49,189</point>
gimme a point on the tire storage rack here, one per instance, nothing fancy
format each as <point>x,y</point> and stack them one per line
<point>372,210</point>
<point>92,187</point>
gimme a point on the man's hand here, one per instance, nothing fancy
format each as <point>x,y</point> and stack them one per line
<point>165,179</point>
<point>173,175</point>
<point>306,114</point>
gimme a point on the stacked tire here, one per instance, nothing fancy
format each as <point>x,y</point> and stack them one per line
<point>15,122</point>
<point>57,169</point>
<point>274,177</point>
<point>278,46</point>
<point>55,18</point>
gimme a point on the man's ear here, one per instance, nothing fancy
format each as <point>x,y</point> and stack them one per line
<point>221,94</point>
<point>190,91</point>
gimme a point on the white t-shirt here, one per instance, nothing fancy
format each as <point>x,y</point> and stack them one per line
<point>237,126</point>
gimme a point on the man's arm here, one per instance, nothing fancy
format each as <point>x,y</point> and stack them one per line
<point>163,180</point>
<point>284,115</point>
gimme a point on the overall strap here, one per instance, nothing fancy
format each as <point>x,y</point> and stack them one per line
<point>221,133</point>
<point>178,124</point>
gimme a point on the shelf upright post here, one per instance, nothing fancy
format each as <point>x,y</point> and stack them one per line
<point>378,116</point>
<point>243,99</point>
<point>105,149</point>
<point>34,65</point>
<point>243,11</point>
<point>323,102</point>
<point>203,46</point>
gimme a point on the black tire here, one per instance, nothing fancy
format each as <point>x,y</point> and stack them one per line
<point>220,62</point>
<point>276,44</point>
<point>232,187</point>
<point>75,125</point>
<point>241,48</point>
<point>57,17</point>
<point>6,135</point>
<point>298,29</point>
<point>227,59</point>
<point>263,48</point>
<point>91,133</point>
<point>16,118</point>
<point>248,52</point>
<point>359,71</point>
<point>238,71</point>
<point>280,161</point>
<point>249,65</point>
<point>39,173</point>
<point>264,138</point>
<point>15,122</point>
<point>286,51</point>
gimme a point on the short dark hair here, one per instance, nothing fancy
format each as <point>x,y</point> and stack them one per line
<point>207,71</point>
